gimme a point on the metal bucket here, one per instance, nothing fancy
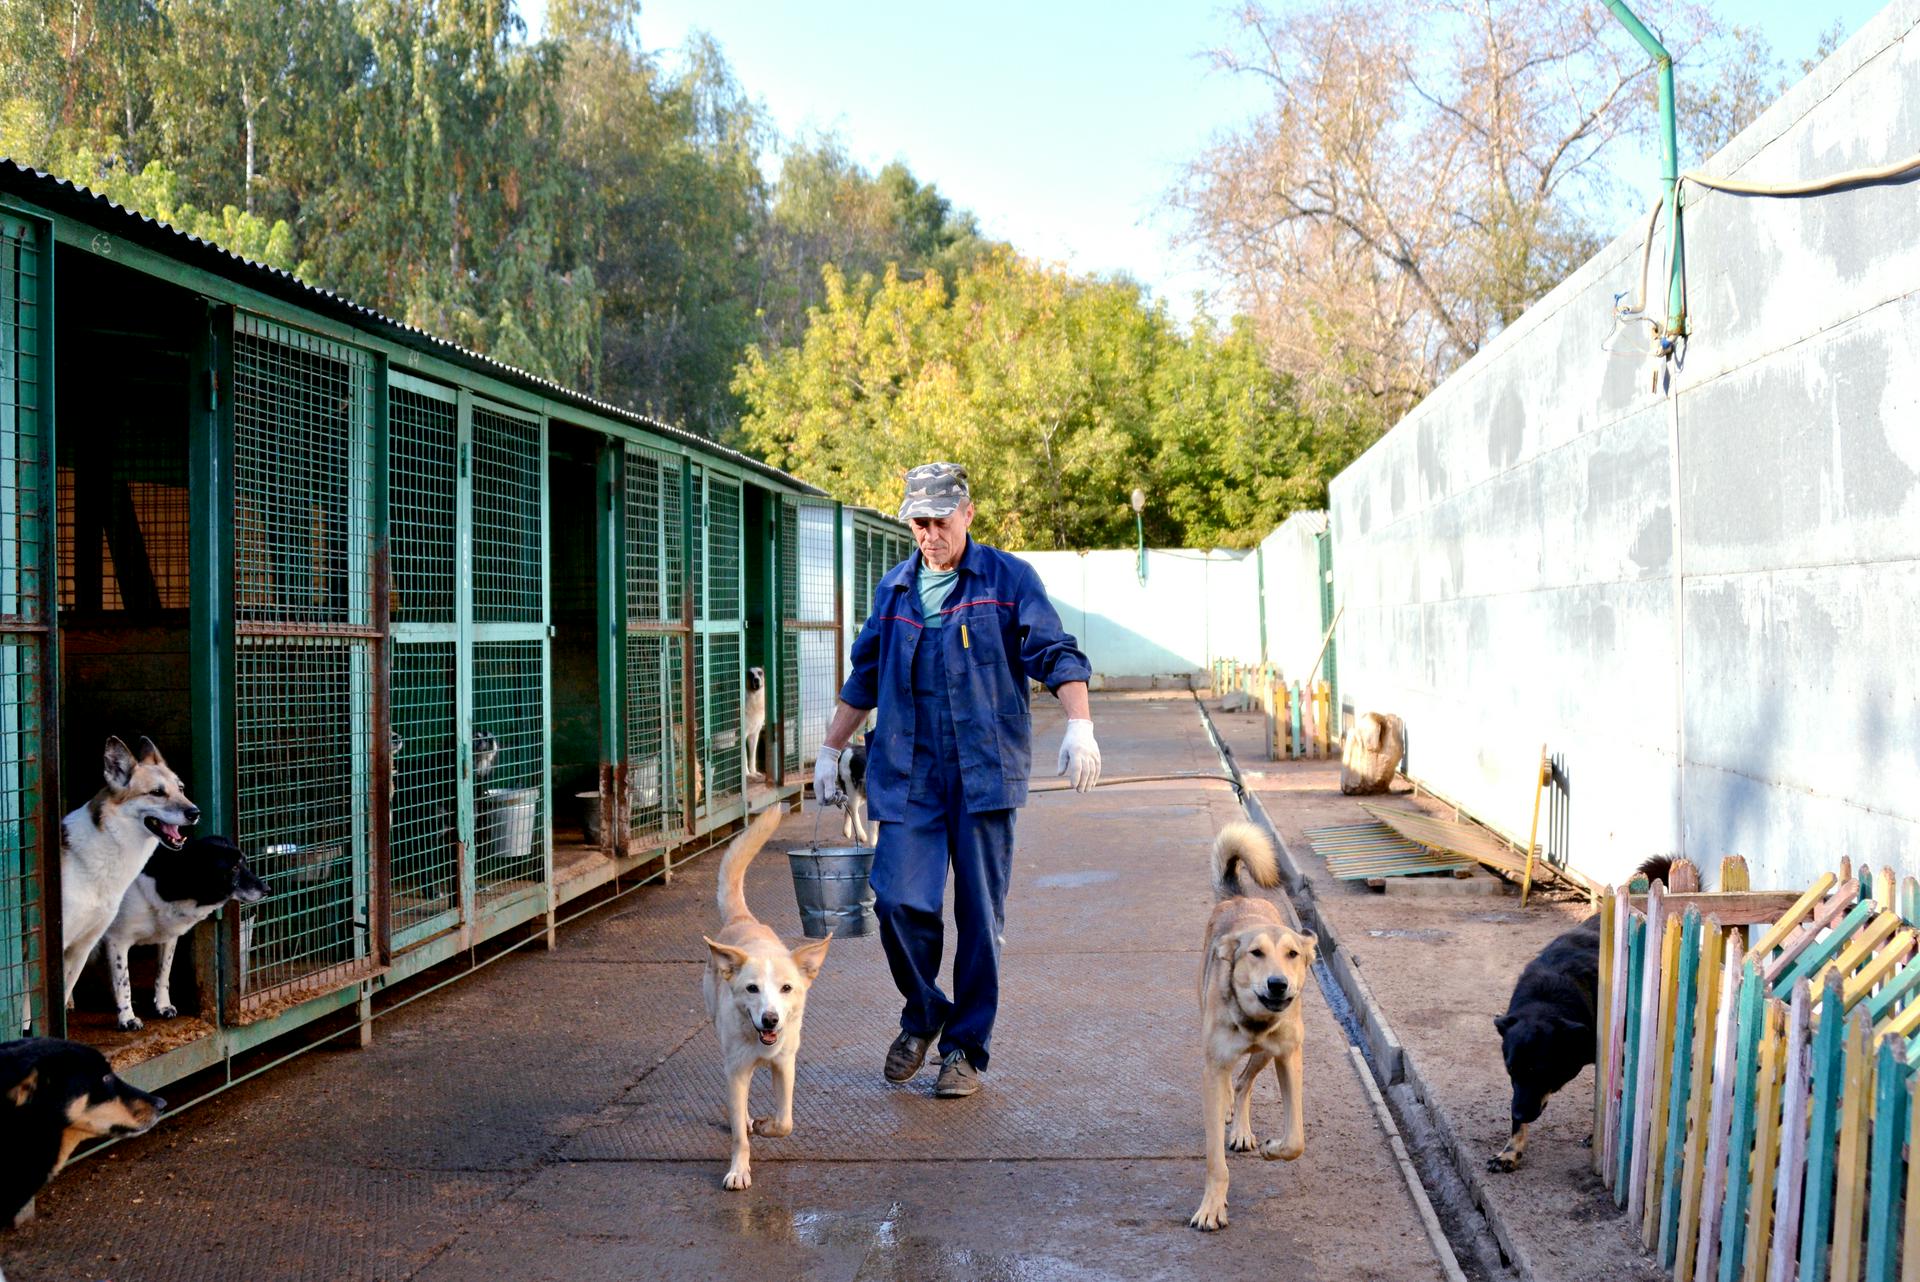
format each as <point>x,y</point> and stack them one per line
<point>506,822</point>
<point>833,888</point>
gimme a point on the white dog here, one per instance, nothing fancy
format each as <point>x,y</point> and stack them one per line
<point>756,993</point>
<point>753,721</point>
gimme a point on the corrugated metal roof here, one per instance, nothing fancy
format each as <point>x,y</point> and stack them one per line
<point>68,199</point>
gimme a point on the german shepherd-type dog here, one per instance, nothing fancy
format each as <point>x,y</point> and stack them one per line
<point>176,891</point>
<point>53,1095</point>
<point>105,843</point>
<point>1255,973</point>
<point>756,991</point>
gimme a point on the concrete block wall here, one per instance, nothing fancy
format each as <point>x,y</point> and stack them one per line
<point>1193,607</point>
<point>1702,597</point>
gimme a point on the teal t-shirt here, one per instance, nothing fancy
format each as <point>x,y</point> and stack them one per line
<point>934,587</point>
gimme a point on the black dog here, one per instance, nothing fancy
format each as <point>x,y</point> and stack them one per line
<point>177,891</point>
<point>53,1095</point>
<point>1550,1031</point>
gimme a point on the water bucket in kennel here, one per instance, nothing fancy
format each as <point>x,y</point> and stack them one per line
<point>831,884</point>
<point>506,821</point>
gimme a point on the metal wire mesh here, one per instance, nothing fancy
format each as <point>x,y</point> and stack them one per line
<point>655,560</point>
<point>425,833</point>
<point>302,538</point>
<point>303,712</point>
<point>723,548</point>
<point>509,767</point>
<point>22,918</point>
<point>128,482</point>
<point>24,531</point>
<point>697,572</point>
<point>423,441</point>
<point>654,778</point>
<point>725,685</point>
<point>507,469</point>
<point>789,592</point>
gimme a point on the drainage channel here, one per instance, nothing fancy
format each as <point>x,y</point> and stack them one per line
<point>1467,1243</point>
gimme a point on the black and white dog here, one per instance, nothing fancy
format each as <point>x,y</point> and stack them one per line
<point>177,891</point>
<point>856,827</point>
<point>753,722</point>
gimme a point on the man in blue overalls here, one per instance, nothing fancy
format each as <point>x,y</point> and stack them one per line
<point>946,654</point>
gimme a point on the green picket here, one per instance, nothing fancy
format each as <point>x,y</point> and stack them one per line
<point>1733,1216</point>
<point>1808,964</point>
<point>1629,1074</point>
<point>1884,1166</point>
<point>1677,1093</point>
<point>1829,1075</point>
<point>1881,1004</point>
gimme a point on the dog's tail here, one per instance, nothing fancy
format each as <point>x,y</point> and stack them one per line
<point>1659,868</point>
<point>732,894</point>
<point>1242,846</point>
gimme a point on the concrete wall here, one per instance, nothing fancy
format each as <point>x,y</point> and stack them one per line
<point>1193,607</point>
<point>1704,599</point>
<point>1290,567</point>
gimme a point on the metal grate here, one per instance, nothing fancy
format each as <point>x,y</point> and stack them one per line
<point>789,592</point>
<point>654,733</point>
<point>509,768</point>
<point>723,549</point>
<point>655,579</point>
<point>697,514</point>
<point>22,916</point>
<point>426,802</point>
<point>423,439</point>
<point>302,708</point>
<point>722,672</point>
<point>125,484</point>
<point>507,488</point>
<point>810,648</point>
<point>302,538</point>
<point>24,535</point>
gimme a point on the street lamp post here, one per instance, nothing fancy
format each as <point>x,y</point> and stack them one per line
<point>1140,532</point>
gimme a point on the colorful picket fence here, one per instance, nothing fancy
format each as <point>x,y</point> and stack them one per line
<point>1754,1106</point>
<point>1301,718</point>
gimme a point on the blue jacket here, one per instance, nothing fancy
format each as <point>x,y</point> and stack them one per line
<point>1012,633</point>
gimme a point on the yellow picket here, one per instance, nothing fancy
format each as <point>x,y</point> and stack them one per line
<point>1862,983</point>
<point>1693,1175</point>
<point>1802,908</point>
<point>1766,1144</point>
<point>1850,1173</point>
<point>1662,1079</point>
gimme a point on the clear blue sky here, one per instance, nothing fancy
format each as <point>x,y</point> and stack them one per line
<point>1061,124</point>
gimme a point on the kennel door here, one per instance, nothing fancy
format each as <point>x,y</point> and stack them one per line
<point>433,816</point>
<point>720,642</point>
<point>809,628</point>
<point>658,633</point>
<point>305,661</point>
<point>28,791</point>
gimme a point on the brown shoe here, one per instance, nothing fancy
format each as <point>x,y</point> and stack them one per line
<point>907,1054</point>
<point>958,1078</point>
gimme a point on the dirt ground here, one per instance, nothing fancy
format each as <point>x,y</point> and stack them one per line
<point>1442,967</point>
<point>560,1116</point>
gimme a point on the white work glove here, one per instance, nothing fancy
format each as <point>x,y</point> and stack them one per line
<point>826,777</point>
<point>1080,755</point>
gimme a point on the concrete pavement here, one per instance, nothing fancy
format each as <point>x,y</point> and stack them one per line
<point>561,1115</point>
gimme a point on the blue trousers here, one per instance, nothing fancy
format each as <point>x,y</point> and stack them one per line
<point>910,881</point>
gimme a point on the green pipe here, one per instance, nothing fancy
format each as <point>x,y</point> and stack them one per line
<point>1140,541</point>
<point>1669,160</point>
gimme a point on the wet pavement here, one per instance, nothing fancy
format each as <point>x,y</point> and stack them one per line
<point>560,1115</point>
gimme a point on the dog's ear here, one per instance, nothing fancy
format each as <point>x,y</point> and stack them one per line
<point>150,755</point>
<point>20,1090</point>
<point>811,957</point>
<point>1312,942</point>
<point>119,763</point>
<point>725,956</point>
<point>1566,1025</point>
<point>1502,1023</point>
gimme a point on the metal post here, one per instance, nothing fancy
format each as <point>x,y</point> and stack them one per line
<point>1669,161</point>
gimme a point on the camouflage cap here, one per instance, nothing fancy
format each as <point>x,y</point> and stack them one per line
<point>935,489</point>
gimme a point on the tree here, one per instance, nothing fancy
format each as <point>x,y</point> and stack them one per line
<point>1060,393</point>
<point>1424,174</point>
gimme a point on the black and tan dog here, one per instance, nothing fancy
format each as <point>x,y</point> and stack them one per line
<point>53,1095</point>
<point>1551,1027</point>
<point>1251,983</point>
